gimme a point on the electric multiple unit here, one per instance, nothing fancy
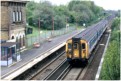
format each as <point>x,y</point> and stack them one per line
<point>80,46</point>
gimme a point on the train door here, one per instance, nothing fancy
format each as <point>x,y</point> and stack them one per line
<point>84,49</point>
<point>76,50</point>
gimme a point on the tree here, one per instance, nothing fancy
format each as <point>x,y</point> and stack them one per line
<point>75,12</point>
<point>86,11</point>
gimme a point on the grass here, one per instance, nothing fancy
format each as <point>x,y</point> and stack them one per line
<point>35,31</point>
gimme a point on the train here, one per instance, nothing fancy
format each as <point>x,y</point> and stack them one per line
<point>79,47</point>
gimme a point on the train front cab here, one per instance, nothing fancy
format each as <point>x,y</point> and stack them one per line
<point>77,51</point>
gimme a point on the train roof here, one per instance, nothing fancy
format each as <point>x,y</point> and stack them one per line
<point>90,31</point>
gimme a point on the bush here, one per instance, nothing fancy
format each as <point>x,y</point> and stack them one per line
<point>111,65</point>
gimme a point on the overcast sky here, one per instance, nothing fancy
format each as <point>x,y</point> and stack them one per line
<point>106,4</point>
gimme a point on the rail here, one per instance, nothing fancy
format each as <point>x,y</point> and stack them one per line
<point>39,71</point>
<point>56,72</point>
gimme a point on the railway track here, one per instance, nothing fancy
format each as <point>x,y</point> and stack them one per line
<point>73,74</point>
<point>27,75</point>
<point>67,72</point>
<point>48,68</point>
<point>59,69</point>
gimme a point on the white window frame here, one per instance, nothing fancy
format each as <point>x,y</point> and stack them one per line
<point>20,16</point>
<point>17,16</point>
<point>14,16</point>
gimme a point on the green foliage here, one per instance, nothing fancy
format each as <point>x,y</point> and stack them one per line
<point>84,11</point>
<point>59,22</point>
<point>111,65</point>
<point>115,25</point>
<point>76,12</point>
<point>46,11</point>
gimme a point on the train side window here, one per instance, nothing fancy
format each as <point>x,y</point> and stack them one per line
<point>75,46</point>
<point>69,46</point>
<point>83,45</point>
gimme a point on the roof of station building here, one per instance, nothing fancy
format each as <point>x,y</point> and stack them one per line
<point>8,44</point>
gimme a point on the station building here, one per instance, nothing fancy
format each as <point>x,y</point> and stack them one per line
<point>13,21</point>
<point>13,25</point>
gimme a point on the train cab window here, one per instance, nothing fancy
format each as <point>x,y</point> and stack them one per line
<point>83,45</point>
<point>75,46</point>
<point>69,46</point>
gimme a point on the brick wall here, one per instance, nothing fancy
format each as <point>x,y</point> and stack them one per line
<point>7,23</point>
<point>4,17</point>
<point>4,35</point>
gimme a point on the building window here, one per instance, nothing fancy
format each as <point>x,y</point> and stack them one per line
<point>20,16</point>
<point>14,19</point>
<point>2,51</point>
<point>17,16</point>
<point>13,50</point>
<point>3,55</point>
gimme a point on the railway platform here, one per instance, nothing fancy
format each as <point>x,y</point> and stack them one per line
<point>31,57</point>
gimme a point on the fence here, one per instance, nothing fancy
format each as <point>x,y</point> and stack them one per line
<point>45,35</point>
